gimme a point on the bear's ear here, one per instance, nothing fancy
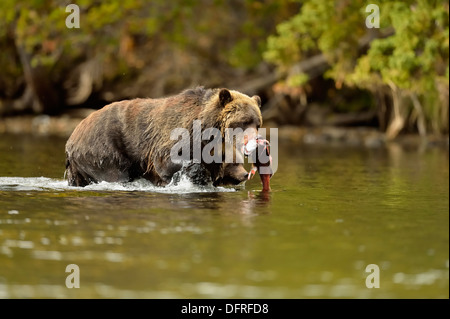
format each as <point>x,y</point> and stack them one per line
<point>257,99</point>
<point>225,97</point>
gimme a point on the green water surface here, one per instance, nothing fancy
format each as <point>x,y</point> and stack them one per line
<point>333,211</point>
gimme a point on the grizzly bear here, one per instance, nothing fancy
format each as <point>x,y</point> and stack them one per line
<point>131,139</point>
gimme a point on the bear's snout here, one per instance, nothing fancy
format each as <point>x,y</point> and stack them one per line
<point>234,174</point>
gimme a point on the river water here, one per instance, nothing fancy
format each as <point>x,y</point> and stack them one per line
<point>333,211</point>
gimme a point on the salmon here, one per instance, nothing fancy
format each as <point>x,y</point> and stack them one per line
<point>259,149</point>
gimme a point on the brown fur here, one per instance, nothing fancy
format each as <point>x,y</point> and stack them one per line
<point>131,139</point>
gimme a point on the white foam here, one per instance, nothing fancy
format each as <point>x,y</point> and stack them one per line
<point>46,184</point>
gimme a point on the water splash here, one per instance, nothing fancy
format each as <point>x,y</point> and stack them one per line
<point>183,186</point>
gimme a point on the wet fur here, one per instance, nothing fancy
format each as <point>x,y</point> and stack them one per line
<point>131,139</point>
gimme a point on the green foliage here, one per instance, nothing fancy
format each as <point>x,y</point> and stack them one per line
<point>235,32</point>
<point>321,26</point>
<point>413,58</point>
<point>297,80</point>
<point>211,39</point>
<point>126,48</point>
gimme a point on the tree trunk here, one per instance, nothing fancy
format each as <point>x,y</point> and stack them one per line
<point>45,98</point>
<point>397,121</point>
<point>421,124</point>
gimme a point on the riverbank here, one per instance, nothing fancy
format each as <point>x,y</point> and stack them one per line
<point>63,126</point>
<point>43,125</point>
<point>368,137</point>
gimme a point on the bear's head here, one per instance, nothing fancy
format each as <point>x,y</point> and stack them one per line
<point>240,116</point>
